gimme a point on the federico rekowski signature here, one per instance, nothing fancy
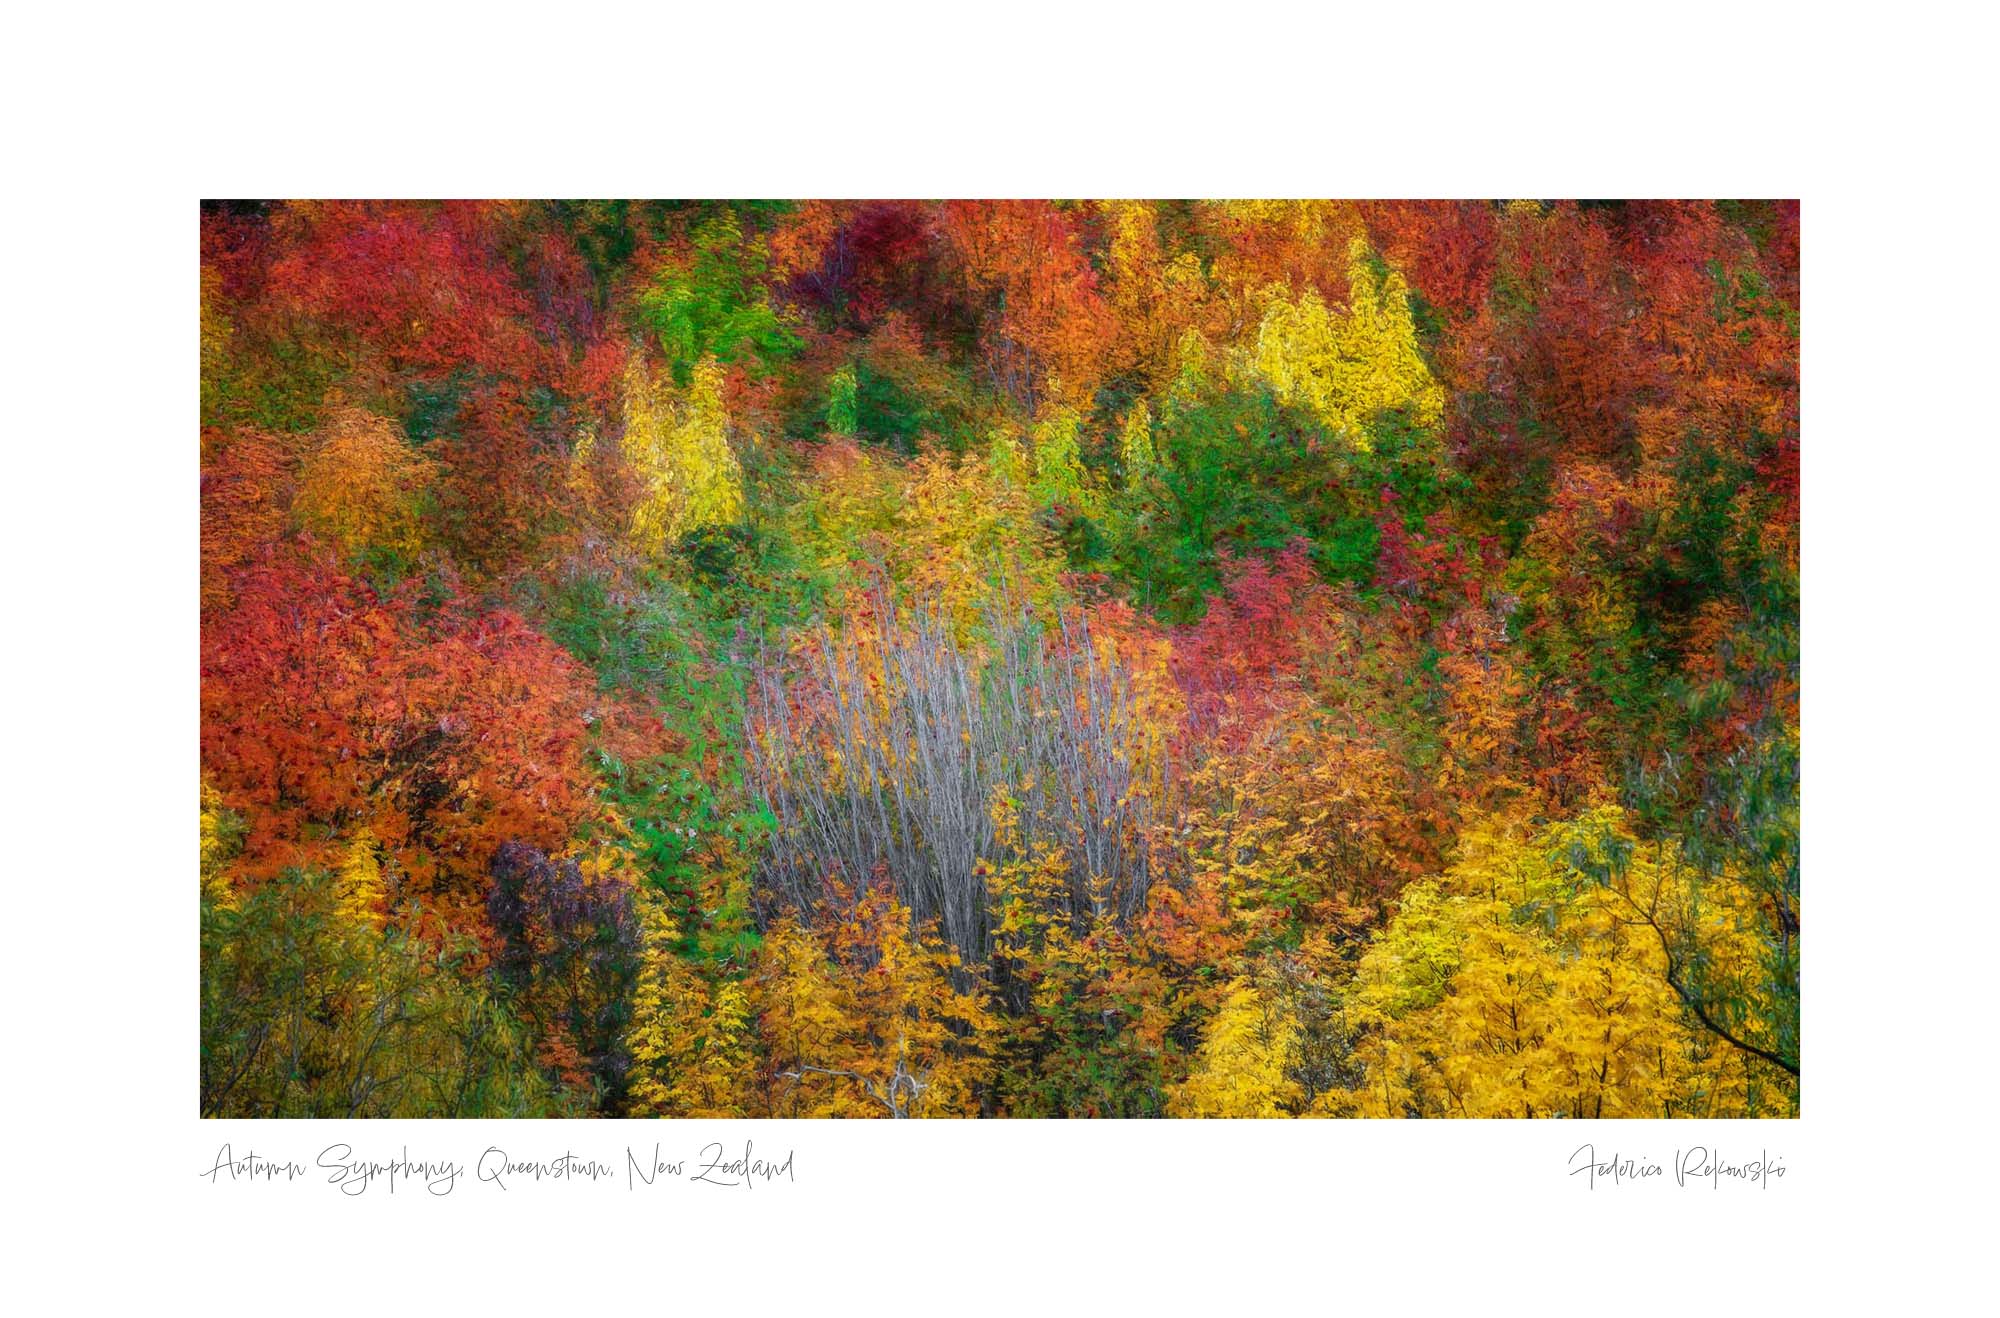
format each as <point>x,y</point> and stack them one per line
<point>1697,1166</point>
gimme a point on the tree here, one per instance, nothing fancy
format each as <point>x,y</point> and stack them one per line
<point>1059,478</point>
<point>1047,330</point>
<point>1519,986</point>
<point>363,489</point>
<point>708,302</point>
<point>1242,1070</point>
<point>678,445</point>
<point>327,708</point>
<point>364,897</point>
<point>881,749</point>
<point>872,1021</point>
<point>1157,296</point>
<point>691,1041</point>
<point>1034,658</point>
<point>1347,368</point>
<point>1080,1033</point>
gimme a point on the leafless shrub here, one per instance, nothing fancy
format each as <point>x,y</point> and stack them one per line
<point>882,745</point>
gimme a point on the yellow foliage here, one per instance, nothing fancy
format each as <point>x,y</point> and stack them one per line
<point>874,1025</point>
<point>1156,299</point>
<point>691,1045</point>
<point>804,1020</point>
<point>1028,898</point>
<point>678,447</point>
<point>1242,1071</point>
<point>963,538</point>
<point>1135,441</point>
<point>1191,371</point>
<point>1346,368</point>
<point>363,895</point>
<point>956,534</point>
<point>1516,987</point>
<point>217,844</point>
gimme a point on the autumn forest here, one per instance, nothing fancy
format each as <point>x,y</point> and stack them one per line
<point>999,658</point>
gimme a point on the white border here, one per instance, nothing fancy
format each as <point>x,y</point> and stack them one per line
<point>122,120</point>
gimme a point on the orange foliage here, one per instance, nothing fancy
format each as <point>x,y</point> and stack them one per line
<point>1053,328</point>
<point>327,709</point>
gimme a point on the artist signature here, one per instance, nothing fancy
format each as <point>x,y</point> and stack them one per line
<point>1698,1166</point>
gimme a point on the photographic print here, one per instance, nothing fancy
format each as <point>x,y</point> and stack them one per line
<point>999,659</point>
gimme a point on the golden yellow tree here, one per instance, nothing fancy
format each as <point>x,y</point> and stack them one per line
<point>1243,1070</point>
<point>364,896</point>
<point>1347,367</point>
<point>678,447</point>
<point>1517,986</point>
<point>805,1021</point>
<point>875,1020</point>
<point>691,1043</point>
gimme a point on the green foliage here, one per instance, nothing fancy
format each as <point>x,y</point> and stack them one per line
<point>881,397</point>
<point>841,414</point>
<point>899,414</point>
<point>634,628</point>
<point>431,407</point>
<point>713,303</point>
<point>306,1012</point>
<point>682,800</point>
<point>1238,472</point>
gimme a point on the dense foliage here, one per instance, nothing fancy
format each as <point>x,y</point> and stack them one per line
<point>1000,658</point>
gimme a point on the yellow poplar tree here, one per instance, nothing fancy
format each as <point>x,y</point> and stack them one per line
<point>720,1085</point>
<point>1515,987</point>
